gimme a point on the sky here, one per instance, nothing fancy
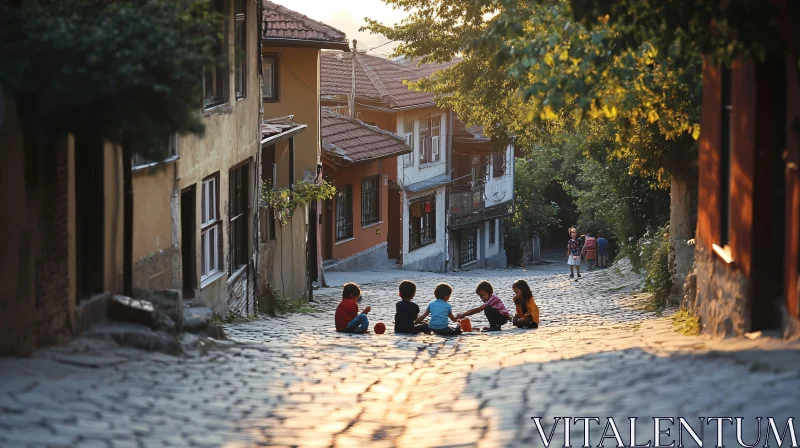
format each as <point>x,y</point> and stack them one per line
<point>348,16</point>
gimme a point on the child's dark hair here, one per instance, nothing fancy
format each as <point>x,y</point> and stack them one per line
<point>599,233</point>
<point>350,290</point>
<point>442,290</point>
<point>522,285</point>
<point>484,286</point>
<point>407,289</point>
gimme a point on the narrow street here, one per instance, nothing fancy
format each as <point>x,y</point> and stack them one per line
<point>295,382</point>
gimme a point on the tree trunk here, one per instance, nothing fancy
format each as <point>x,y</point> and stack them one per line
<point>683,221</point>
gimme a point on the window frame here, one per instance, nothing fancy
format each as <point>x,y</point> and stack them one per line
<point>408,136</point>
<point>238,216</point>
<point>424,141</point>
<point>372,197</point>
<point>422,229</point>
<point>270,59</point>
<point>240,50</point>
<point>210,225</point>
<point>138,163</point>
<point>220,72</point>
<point>344,213</point>
<point>436,134</point>
<point>499,162</point>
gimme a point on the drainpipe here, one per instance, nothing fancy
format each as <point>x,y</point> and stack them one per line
<point>127,219</point>
<point>448,164</point>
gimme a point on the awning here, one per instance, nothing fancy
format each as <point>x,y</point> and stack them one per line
<point>427,184</point>
<point>274,132</point>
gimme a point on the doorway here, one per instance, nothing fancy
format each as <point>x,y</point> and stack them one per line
<point>188,248</point>
<point>90,216</point>
<point>769,199</point>
<point>394,239</point>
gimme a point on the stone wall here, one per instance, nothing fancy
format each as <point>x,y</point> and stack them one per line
<point>371,259</point>
<point>722,294</point>
<point>432,263</point>
<point>36,302</point>
<point>158,271</point>
<point>241,293</point>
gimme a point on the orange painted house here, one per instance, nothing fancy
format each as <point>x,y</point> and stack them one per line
<point>748,226</point>
<point>356,158</point>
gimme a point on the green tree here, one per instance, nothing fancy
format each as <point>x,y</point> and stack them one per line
<point>99,67</point>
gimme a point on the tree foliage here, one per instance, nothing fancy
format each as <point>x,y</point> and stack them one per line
<point>101,67</point>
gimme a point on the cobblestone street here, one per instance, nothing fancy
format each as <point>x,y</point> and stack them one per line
<point>295,382</point>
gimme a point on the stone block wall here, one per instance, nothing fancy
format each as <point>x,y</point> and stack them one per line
<point>158,271</point>
<point>722,294</point>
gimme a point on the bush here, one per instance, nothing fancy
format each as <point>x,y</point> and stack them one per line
<point>655,254</point>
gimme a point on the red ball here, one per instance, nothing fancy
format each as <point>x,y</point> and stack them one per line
<point>380,328</point>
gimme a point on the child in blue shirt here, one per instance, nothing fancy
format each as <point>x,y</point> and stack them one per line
<point>440,311</point>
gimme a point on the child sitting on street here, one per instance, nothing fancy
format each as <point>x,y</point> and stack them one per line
<point>527,315</point>
<point>347,318</point>
<point>408,311</point>
<point>494,309</point>
<point>439,311</point>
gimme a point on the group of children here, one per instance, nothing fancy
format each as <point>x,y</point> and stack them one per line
<point>593,249</point>
<point>407,319</point>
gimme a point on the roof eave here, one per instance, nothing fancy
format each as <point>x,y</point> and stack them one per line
<point>307,43</point>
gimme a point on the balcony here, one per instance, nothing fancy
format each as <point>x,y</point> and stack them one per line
<point>466,200</point>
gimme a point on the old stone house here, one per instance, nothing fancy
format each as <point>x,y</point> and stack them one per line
<point>355,156</point>
<point>291,148</point>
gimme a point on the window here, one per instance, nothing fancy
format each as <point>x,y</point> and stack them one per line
<point>469,245</point>
<point>240,46</point>
<point>487,166</point>
<point>370,200</point>
<point>344,213</point>
<point>214,79</point>
<point>477,171</point>
<point>726,151</point>
<point>424,142</point>
<point>238,216</point>
<point>422,222</point>
<point>430,140</point>
<point>492,230</point>
<point>498,164</point>
<point>436,123</point>
<point>141,161</point>
<point>210,227</point>
<point>269,82</point>
<point>408,136</point>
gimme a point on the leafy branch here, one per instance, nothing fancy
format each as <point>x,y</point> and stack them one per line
<point>285,201</point>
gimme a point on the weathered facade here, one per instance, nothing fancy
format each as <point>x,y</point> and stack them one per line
<point>422,234</point>
<point>196,213</point>
<point>355,155</point>
<point>748,226</point>
<point>62,258</point>
<point>291,79</point>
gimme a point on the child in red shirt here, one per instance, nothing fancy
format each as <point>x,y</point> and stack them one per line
<point>347,318</point>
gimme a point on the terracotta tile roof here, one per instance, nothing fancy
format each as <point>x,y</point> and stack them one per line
<point>284,24</point>
<point>348,140</point>
<point>385,77</point>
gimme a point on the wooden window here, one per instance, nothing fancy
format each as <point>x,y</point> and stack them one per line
<point>469,245</point>
<point>269,81</point>
<point>498,164</point>
<point>408,136</point>
<point>215,76</point>
<point>726,151</point>
<point>210,227</point>
<point>436,123</point>
<point>370,200</point>
<point>422,222</point>
<point>238,216</point>
<point>140,161</point>
<point>240,46</point>
<point>344,213</point>
<point>477,170</point>
<point>424,142</point>
<point>492,230</point>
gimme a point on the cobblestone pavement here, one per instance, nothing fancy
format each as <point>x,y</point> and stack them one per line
<point>295,382</point>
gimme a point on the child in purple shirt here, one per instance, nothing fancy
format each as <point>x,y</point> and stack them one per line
<point>496,312</point>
